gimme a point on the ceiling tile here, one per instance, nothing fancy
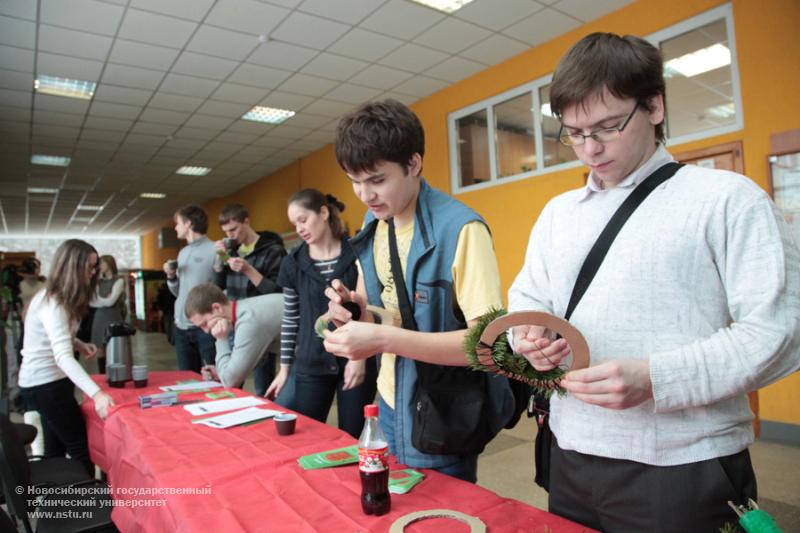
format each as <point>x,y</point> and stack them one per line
<point>380,77</point>
<point>308,120</point>
<point>16,32</point>
<point>348,11</point>
<point>333,66</point>
<point>402,19</point>
<point>495,49</point>
<point>223,109</point>
<point>328,108</point>
<point>586,11</point>
<point>455,69</point>
<point>205,121</point>
<point>542,26</point>
<point>246,16</point>
<point>188,85</point>
<point>235,137</point>
<point>201,134</point>
<point>452,35</point>
<point>287,131</point>
<point>281,55</point>
<point>18,81</point>
<point>413,58</point>
<point>108,124</point>
<point>160,130</point>
<point>19,8</point>
<point>175,102</point>
<point>121,95</point>
<point>204,66</point>
<point>84,15</point>
<point>285,100</point>
<point>261,77</point>
<point>366,45</point>
<point>222,43</point>
<point>61,132</point>
<point>188,9</point>
<point>107,109</point>
<point>16,58</point>
<point>102,135</point>
<point>242,94</point>
<point>162,116</point>
<point>18,114</point>
<point>308,30</point>
<point>307,85</point>
<point>58,119</point>
<point>61,104</point>
<point>143,55</point>
<point>68,67</point>
<point>420,86</point>
<point>73,43</point>
<point>131,76</point>
<point>353,94</point>
<point>156,29</point>
<point>487,14</point>
<point>250,127</point>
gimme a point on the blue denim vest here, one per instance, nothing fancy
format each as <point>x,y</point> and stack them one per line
<point>428,276</point>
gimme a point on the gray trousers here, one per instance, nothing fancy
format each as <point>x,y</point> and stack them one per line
<point>614,495</point>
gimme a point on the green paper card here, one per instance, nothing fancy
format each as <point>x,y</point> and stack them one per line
<point>402,481</point>
<point>339,456</point>
<point>219,395</point>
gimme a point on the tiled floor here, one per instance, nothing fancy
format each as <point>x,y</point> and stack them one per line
<point>506,467</point>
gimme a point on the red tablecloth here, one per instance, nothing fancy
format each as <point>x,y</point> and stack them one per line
<point>171,475</point>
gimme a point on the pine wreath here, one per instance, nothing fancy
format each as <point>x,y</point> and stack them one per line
<point>499,359</point>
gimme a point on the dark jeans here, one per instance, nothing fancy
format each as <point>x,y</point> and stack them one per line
<point>618,495</point>
<point>264,373</point>
<point>62,421</point>
<point>195,348</point>
<point>313,396</point>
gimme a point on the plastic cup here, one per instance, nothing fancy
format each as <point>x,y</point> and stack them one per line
<point>285,423</point>
<point>139,374</point>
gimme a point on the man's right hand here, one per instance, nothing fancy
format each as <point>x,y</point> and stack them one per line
<point>278,383</point>
<point>534,344</point>
<point>209,373</point>
<point>337,295</point>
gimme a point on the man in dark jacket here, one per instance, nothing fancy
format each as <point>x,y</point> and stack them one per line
<point>247,265</point>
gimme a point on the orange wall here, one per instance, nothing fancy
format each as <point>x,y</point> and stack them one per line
<point>153,256</point>
<point>769,74</point>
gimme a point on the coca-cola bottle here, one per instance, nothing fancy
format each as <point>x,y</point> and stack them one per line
<point>373,465</point>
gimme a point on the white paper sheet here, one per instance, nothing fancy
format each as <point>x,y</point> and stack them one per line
<point>195,385</point>
<point>218,406</point>
<point>236,418</point>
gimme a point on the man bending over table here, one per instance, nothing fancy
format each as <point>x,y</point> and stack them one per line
<point>252,326</point>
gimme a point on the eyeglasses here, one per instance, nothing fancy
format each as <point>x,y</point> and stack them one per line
<point>602,136</point>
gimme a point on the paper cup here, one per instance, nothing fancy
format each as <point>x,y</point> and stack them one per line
<point>285,423</point>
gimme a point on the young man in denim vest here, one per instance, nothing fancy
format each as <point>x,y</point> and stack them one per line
<point>450,273</point>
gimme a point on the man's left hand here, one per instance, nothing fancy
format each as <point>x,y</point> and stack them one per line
<point>220,329</point>
<point>237,264</point>
<point>354,372</point>
<point>354,340</point>
<point>618,384</point>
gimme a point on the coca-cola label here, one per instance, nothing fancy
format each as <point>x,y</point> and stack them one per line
<point>373,460</point>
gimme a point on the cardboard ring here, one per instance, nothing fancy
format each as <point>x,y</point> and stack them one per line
<point>577,344</point>
<point>474,523</point>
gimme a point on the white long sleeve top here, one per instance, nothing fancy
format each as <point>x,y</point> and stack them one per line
<point>47,350</point>
<point>703,281</point>
<point>111,300</point>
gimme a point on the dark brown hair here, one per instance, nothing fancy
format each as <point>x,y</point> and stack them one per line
<point>202,297</point>
<point>196,217</point>
<point>236,212</point>
<point>629,67</point>
<point>378,131</point>
<point>313,200</point>
<point>67,283</point>
<point>111,262</point>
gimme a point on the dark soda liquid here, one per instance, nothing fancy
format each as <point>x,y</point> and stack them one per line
<point>375,492</point>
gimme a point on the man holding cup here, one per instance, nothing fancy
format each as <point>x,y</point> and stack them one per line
<point>246,265</point>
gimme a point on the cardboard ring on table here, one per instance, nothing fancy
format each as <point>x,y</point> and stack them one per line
<point>474,523</point>
<point>577,344</point>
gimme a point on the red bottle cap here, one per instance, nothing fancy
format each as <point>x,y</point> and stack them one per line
<point>370,410</point>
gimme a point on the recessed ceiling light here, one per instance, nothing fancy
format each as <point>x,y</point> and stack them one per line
<point>156,195</point>
<point>90,207</point>
<point>65,87</point>
<point>703,60</point>
<point>270,115</point>
<point>446,6</point>
<point>193,171</point>
<point>42,190</point>
<point>52,160</point>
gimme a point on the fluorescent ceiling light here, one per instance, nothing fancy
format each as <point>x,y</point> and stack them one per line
<point>701,61</point>
<point>270,115</point>
<point>42,190</point>
<point>90,207</point>
<point>156,195</point>
<point>65,87</point>
<point>52,160</point>
<point>81,220</point>
<point>447,6</point>
<point>193,171</point>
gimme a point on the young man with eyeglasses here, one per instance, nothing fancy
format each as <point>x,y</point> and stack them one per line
<point>695,305</point>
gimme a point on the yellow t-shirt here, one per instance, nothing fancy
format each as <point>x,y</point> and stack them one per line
<point>476,281</point>
<point>245,249</point>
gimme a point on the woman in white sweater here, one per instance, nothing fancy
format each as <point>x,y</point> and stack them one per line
<point>49,370</point>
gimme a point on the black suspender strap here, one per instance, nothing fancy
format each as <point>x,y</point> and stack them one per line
<point>399,282</point>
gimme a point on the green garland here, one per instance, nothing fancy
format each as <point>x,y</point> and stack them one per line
<point>506,362</point>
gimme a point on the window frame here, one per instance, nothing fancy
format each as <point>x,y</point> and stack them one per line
<point>723,12</point>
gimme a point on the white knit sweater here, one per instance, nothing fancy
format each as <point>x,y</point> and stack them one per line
<point>703,280</point>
